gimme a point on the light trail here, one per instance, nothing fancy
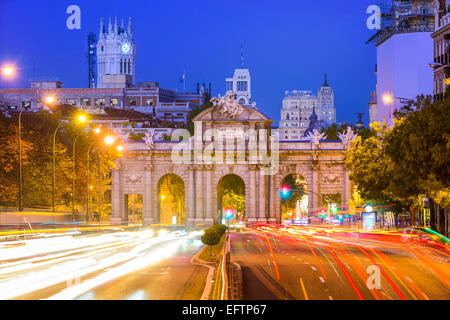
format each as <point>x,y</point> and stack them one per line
<point>82,256</point>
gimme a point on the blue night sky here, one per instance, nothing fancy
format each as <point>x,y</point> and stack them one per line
<point>287,45</point>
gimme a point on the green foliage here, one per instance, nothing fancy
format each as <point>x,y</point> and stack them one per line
<point>402,163</point>
<point>211,237</point>
<point>220,228</point>
<point>37,168</point>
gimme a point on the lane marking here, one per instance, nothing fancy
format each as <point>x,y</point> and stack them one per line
<point>303,288</point>
<point>409,279</point>
<point>330,297</point>
<point>322,279</point>
<point>313,268</point>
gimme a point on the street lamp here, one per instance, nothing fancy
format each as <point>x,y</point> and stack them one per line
<point>96,131</point>
<point>50,99</point>
<point>8,71</point>
<point>388,99</point>
<point>81,119</point>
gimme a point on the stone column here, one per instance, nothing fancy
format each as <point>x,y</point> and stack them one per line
<point>117,200</point>
<point>191,202</point>
<point>347,188</point>
<point>262,217</point>
<point>209,189</point>
<point>252,196</point>
<point>148,207</point>
<point>273,198</point>
<point>199,199</point>
<point>315,187</point>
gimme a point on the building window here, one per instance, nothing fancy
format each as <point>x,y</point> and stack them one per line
<point>133,102</point>
<point>72,101</point>
<point>114,102</point>
<point>100,102</point>
<point>242,86</point>
<point>179,114</point>
<point>149,101</point>
<point>86,101</point>
<point>229,85</point>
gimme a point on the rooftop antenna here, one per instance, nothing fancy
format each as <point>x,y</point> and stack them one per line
<point>242,56</point>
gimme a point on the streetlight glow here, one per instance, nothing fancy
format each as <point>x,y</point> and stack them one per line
<point>109,140</point>
<point>8,71</point>
<point>97,130</point>
<point>387,98</point>
<point>50,99</point>
<point>120,148</point>
<point>81,118</point>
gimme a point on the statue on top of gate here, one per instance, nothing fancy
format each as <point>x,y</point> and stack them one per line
<point>228,106</point>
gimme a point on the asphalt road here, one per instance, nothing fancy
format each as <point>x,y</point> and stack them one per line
<point>121,265</point>
<point>305,263</point>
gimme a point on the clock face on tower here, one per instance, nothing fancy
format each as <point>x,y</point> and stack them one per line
<point>126,47</point>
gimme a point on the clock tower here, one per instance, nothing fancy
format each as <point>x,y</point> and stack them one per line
<point>116,52</point>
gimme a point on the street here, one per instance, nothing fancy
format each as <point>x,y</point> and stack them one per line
<point>121,265</point>
<point>322,263</point>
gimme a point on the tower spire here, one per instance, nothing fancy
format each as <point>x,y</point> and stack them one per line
<point>130,30</point>
<point>102,26</point>
<point>109,26</point>
<point>116,27</point>
<point>122,28</point>
<point>325,83</point>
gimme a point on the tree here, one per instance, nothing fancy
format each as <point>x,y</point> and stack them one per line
<point>419,147</point>
<point>211,237</point>
<point>9,161</point>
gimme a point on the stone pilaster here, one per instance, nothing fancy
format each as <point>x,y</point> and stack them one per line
<point>252,205</point>
<point>262,199</point>
<point>190,221</point>
<point>199,195</point>
<point>209,207</point>
<point>148,210</point>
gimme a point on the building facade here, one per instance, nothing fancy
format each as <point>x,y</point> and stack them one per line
<point>299,105</point>
<point>240,85</point>
<point>404,52</point>
<point>441,38</point>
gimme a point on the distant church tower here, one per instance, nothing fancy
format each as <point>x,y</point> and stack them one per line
<point>326,110</point>
<point>116,55</point>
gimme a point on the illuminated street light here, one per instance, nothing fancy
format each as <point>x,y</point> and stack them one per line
<point>369,208</point>
<point>119,148</point>
<point>8,71</point>
<point>109,140</point>
<point>388,99</point>
<point>97,130</point>
<point>50,99</point>
<point>81,118</point>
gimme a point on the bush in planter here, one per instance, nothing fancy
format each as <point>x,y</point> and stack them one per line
<point>211,237</point>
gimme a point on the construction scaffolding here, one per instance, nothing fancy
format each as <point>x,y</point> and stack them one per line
<point>404,16</point>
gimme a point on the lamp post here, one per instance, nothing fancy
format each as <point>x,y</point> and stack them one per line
<point>81,119</point>
<point>97,131</point>
<point>8,71</point>
<point>54,165</point>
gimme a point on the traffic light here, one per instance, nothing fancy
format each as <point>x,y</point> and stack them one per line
<point>285,191</point>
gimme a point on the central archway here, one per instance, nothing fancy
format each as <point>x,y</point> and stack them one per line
<point>171,196</point>
<point>294,198</point>
<point>231,200</point>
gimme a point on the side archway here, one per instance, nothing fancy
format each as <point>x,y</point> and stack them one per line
<point>171,194</point>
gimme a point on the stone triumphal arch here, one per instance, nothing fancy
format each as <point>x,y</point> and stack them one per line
<point>228,139</point>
